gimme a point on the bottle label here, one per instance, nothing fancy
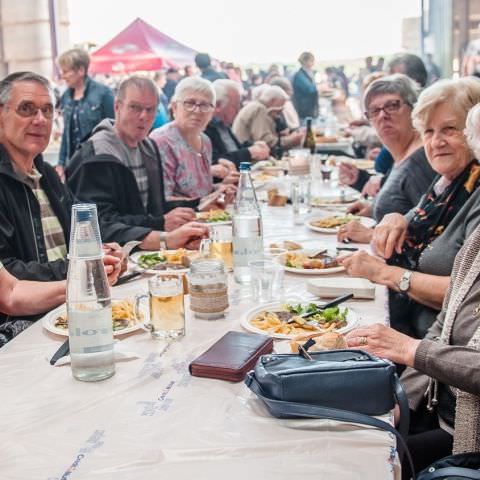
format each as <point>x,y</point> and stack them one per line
<point>246,250</point>
<point>90,331</point>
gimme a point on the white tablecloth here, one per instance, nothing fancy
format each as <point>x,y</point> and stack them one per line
<point>152,420</point>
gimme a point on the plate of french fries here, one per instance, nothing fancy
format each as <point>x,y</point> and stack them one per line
<point>332,223</point>
<point>124,319</point>
<point>283,321</point>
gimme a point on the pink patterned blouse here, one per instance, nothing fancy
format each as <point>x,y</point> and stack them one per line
<point>186,173</point>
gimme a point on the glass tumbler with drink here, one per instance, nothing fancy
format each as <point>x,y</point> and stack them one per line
<point>219,244</point>
<point>166,306</point>
<point>300,193</point>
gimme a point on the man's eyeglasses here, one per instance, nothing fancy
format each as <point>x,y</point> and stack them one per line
<point>191,106</point>
<point>29,109</point>
<point>391,107</point>
<point>137,109</point>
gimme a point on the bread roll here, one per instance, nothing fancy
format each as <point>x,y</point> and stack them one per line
<point>323,341</point>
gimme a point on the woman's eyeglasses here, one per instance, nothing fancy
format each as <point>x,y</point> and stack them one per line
<point>390,108</point>
<point>191,106</point>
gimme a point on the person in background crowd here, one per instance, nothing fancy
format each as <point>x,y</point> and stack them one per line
<point>162,117</point>
<point>380,64</point>
<point>410,65</point>
<point>120,170</point>
<point>33,233</point>
<point>185,150</point>
<point>203,62</point>
<point>305,93</point>
<point>419,248</point>
<point>224,143</point>
<point>173,77</point>
<point>84,104</point>
<point>289,113</point>
<point>189,71</point>
<point>433,70</point>
<point>256,120</point>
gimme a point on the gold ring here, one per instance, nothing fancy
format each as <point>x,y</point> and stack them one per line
<point>363,341</point>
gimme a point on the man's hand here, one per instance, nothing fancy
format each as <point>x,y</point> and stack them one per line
<point>112,267</point>
<point>178,217</point>
<point>259,151</point>
<point>115,250</point>
<point>187,235</point>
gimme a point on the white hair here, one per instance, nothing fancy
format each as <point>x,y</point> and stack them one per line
<point>256,91</point>
<point>194,84</point>
<point>472,130</point>
<point>272,93</point>
<point>223,87</point>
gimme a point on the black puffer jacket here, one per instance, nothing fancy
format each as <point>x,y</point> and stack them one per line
<point>22,247</point>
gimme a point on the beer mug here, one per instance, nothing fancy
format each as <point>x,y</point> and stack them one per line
<point>219,245</point>
<point>166,306</point>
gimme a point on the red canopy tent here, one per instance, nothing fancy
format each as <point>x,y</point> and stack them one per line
<point>140,47</point>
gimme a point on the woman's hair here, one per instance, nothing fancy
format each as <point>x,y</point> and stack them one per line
<point>257,91</point>
<point>74,59</point>
<point>472,130</point>
<point>194,84</point>
<point>398,84</point>
<point>305,57</point>
<point>272,93</point>
<point>460,94</point>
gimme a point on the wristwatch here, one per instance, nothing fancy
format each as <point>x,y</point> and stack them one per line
<point>163,240</point>
<point>404,283</point>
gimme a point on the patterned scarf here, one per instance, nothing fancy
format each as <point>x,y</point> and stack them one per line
<point>433,215</point>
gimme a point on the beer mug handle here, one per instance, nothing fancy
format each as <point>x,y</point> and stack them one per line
<point>204,248</point>
<point>138,315</point>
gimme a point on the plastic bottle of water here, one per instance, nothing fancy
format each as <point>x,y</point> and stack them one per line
<point>89,309</point>
<point>247,227</point>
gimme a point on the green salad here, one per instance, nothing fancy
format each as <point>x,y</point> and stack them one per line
<point>148,260</point>
<point>329,315</point>
<point>221,216</point>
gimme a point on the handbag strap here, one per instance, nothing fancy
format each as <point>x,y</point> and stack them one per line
<point>447,472</point>
<point>280,407</point>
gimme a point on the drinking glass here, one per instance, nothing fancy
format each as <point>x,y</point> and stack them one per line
<point>219,244</point>
<point>166,306</point>
<point>267,280</point>
<point>300,192</point>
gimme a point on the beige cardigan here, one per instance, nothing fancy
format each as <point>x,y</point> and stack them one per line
<point>450,352</point>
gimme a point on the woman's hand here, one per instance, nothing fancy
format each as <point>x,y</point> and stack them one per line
<point>355,232</point>
<point>389,235</point>
<point>364,209</point>
<point>373,185</point>
<point>347,173</point>
<point>384,342</point>
<point>361,264</point>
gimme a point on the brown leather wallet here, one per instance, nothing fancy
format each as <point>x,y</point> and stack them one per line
<point>231,357</point>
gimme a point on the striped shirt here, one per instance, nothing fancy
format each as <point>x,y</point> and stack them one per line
<point>137,166</point>
<point>52,230</point>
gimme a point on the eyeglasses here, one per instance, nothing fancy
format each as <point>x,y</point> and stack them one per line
<point>137,109</point>
<point>191,106</point>
<point>29,109</point>
<point>390,108</point>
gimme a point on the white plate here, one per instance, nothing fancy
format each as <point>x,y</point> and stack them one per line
<point>48,323</point>
<point>334,201</point>
<point>309,271</point>
<point>365,221</point>
<point>134,257</point>
<point>352,320</point>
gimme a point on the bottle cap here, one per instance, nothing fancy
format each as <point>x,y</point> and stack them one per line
<point>245,166</point>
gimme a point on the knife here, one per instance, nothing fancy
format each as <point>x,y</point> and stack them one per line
<point>61,352</point>
<point>129,276</point>
<point>332,303</point>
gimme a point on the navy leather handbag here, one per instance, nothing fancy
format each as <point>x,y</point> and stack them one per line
<point>464,466</point>
<point>343,385</point>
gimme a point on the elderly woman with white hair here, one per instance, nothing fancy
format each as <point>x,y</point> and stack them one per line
<point>185,150</point>
<point>419,248</point>
<point>256,120</point>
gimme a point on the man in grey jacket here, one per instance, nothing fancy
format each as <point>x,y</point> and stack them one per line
<point>120,170</point>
